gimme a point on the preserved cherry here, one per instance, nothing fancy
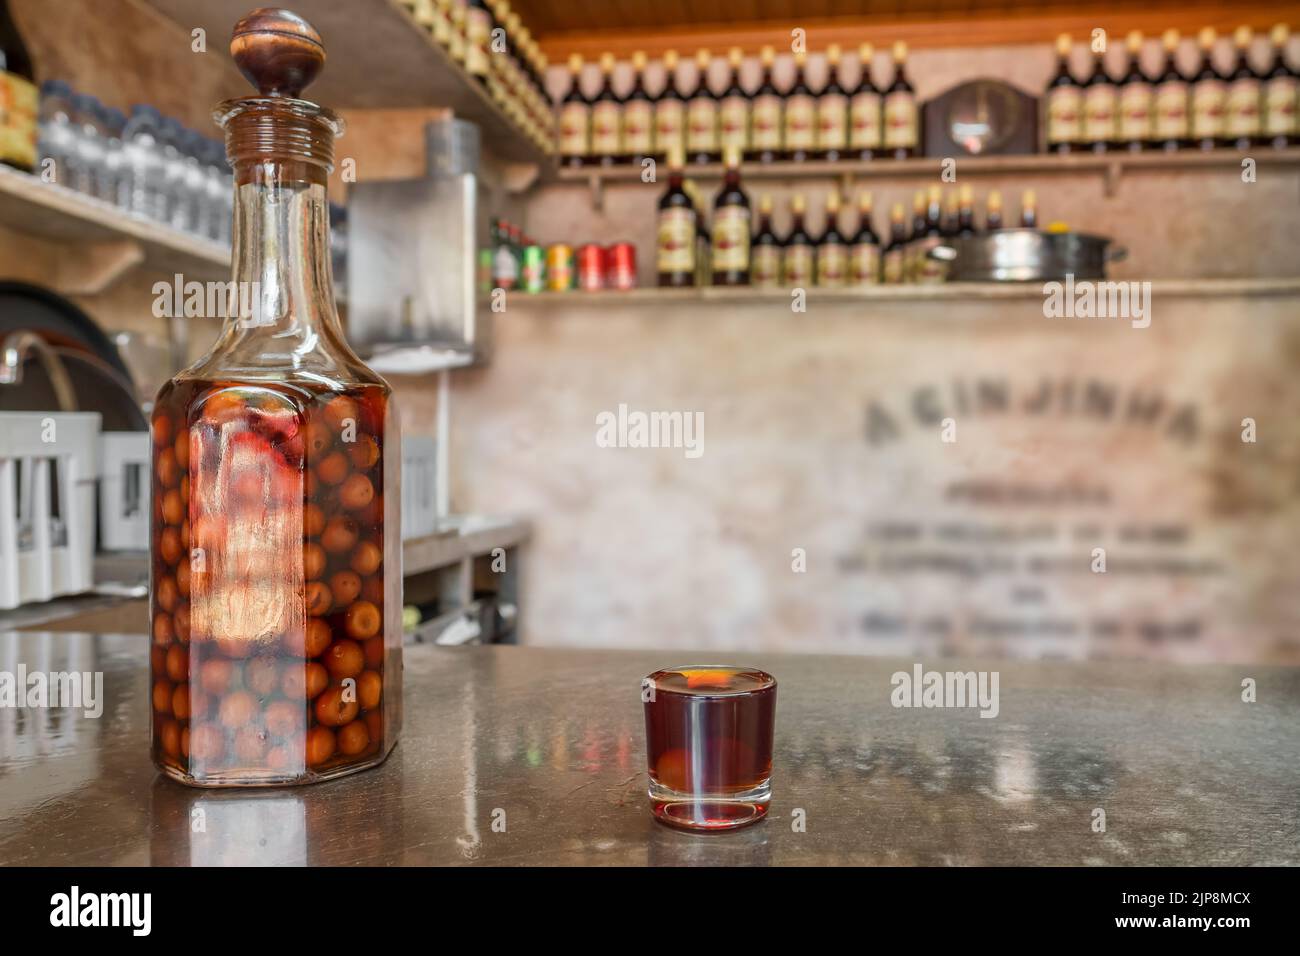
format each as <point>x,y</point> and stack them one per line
<point>275,594</point>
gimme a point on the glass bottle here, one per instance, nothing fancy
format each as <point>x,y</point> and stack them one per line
<point>765,251</point>
<point>1281,93</point>
<point>675,246</point>
<point>800,115</point>
<point>702,115</point>
<point>1171,128</point>
<point>832,111</point>
<point>19,100</point>
<point>1135,99</point>
<point>832,255</point>
<point>670,111</point>
<point>864,257</point>
<point>767,115</point>
<point>1209,96</point>
<point>638,115</point>
<point>1245,96</point>
<point>797,254</point>
<point>575,119</point>
<point>864,110</point>
<point>276,546</point>
<point>901,127</point>
<point>731,226</point>
<point>1064,103</point>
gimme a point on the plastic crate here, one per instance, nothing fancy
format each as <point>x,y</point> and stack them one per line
<point>48,466</point>
<point>124,491</point>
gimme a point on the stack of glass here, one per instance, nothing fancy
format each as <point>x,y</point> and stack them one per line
<point>147,164</point>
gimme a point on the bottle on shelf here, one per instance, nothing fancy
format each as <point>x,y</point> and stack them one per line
<point>767,115</point>
<point>733,109</point>
<point>1209,96</point>
<point>702,115</point>
<point>965,213</point>
<point>901,128</point>
<point>765,252</point>
<point>800,115</point>
<point>917,234</point>
<point>676,241</point>
<point>1281,93</point>
<point>1242,128</point>
<point>894,255</point>
<point>797,253</point>
<point>832,111</point>
<point>1029,209</point>
<point>703,241</point>
<point>1100,106</point>
<point>19,100</point>
<point>638,115</point>
<point>1171,125</point>
<point>1136,98</point>
<point>670,111</point>
<point>924,268</point>
<point>832,256</point>
<point>607,118</point>
<point>1064,103</point>
<point>864,110</point>
<point>456,32</point>
<point>993,211</point>
<point>951,212</point>
<point>731,226</point>
<point>864,255</point>
<point>478,38</point>
<point>575,119</point>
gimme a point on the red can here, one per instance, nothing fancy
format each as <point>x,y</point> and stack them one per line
<point>621,266</point>
<point>591,267</point>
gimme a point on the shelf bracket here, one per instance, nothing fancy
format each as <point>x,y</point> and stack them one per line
<point>1114,173</point>
<point>597,192</point>
<point>520,177</point>
<point>92,268</point>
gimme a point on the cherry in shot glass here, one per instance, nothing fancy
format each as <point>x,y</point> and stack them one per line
<point>709,730</point>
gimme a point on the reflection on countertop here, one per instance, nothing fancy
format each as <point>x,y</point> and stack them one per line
<point>516,755</point>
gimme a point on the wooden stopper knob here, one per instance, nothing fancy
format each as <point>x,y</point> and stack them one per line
<point>278,51</point>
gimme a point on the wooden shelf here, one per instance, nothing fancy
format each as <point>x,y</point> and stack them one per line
<point>465,536</point>
<point>377,56</point>
<point>109,240</point>
<point>1112,166</point>
<point>940,292</point>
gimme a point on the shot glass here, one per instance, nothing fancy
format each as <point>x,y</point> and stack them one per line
<point>709,734</point>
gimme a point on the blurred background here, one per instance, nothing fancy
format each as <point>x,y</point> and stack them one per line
<point>901,451</point>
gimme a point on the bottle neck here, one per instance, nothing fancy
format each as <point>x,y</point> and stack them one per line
<point>286,315</point>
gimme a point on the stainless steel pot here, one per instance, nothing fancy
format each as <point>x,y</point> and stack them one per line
<point>1027,255</point>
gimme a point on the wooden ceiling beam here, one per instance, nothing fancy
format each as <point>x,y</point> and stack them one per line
<point>941,31</point>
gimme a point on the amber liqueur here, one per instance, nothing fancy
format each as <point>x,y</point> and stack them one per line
<point>709,738</point>
<point>275,539</point>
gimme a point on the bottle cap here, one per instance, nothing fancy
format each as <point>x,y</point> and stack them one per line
<point>638,60</point>
<point>676,158</point>
<point>995,199</point>
<point>865,52</point>
<point>702,58</point>
<point>1242,37</point>
<point>734,56</point>
<point>797,204</point>
<point>1030,198</point>
<point>1063,44</point>
<point>832,200</point>
<point>765,203</point>
<point>575,62</point>
<point>1206,37</point>
<point>1134,41</point>
<point>607,63</point>
<point>900,51</point>
<point>833,53</point>
<point>1170,40</point>
<point>1280,34</point>
<point>767,55</point>
<point>864,199</point>
<point>731,156</point>
<point>280,53</point>
<point>896,212</point>
<point>670,59</point>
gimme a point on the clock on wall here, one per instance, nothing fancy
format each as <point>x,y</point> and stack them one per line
<point>981,118</point>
